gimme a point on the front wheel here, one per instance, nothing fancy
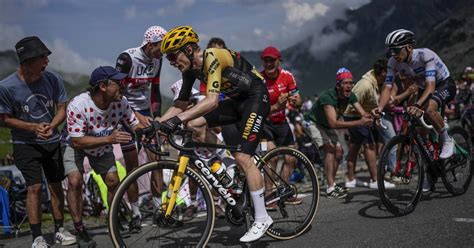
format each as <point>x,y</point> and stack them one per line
<point>458,169</point>
<point>403,161</point>
<point>291,192</point>
<point>157,230</point>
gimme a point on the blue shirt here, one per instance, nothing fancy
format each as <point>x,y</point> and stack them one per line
<point>34,102</point>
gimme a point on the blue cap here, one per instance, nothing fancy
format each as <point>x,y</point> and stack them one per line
<point>102,73</point>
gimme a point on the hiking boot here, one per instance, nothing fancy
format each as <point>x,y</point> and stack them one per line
<point>84,240</point>
<point>257,230</point>
<point>64,237</point>
<point>135,225</point>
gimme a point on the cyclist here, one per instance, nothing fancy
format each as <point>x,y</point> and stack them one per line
<point>281,85</point>
<point>228,72</point>
<point>424,67</point>
<point>32,105</point>
<point>323,119</point>
<point>142,90</point>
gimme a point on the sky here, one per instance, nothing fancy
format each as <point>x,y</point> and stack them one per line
<point>83,34</point>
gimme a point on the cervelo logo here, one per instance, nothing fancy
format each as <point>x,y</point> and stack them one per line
<point>214,182</point>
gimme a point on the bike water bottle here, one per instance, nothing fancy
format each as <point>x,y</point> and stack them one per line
<point>219,171</point>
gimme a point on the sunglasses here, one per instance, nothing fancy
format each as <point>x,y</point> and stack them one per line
<point>269,60</point>
<point>396,50</point>
<point>173,56</point>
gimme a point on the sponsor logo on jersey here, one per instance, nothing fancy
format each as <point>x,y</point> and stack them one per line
<point>419,70</point>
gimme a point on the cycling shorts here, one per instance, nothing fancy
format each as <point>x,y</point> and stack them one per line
<point>249,114</point>
<point>445,92</point>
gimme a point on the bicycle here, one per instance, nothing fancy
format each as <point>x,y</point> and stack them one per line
<point>413,151</point>
<point>168,225</point>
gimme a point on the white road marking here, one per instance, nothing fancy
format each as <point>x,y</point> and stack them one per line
<point>469,220</point>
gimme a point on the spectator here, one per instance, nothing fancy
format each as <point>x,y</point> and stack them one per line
<point>32,105</point>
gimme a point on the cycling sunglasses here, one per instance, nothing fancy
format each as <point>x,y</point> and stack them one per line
<point>173,56</point>
<point>396,50</point>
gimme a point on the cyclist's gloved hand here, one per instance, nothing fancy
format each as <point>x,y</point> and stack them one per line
<point>170,125</point>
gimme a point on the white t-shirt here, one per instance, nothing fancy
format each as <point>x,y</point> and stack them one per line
<point>84,118</point>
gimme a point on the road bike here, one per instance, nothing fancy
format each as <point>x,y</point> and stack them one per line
<point>168,226</point>
<point>416,156</point>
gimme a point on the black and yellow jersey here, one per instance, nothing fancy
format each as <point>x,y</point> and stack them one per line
<point>224,71</point>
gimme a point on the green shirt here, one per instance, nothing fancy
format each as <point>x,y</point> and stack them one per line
<point>329,97</point>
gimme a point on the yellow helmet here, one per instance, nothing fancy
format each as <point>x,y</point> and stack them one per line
<point>177,38</point>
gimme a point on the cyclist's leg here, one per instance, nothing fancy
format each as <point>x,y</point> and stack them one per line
<point>444,93</point>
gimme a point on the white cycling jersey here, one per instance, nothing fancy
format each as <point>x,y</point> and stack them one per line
<point>424,65</point>
<point>142,72</point>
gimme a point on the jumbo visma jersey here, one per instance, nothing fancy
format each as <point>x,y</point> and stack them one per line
<point>224,71</point>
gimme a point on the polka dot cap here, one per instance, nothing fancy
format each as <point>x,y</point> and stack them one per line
<point>153,34</point>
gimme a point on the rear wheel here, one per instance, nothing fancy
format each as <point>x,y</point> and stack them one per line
<point>404,162</point>
<point>458,169</point>
<point>292,203</point>
<point>156,230</point>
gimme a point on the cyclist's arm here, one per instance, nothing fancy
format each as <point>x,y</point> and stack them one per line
<point>177,108</point>
<point>333,122</point>
<point>213,67</point>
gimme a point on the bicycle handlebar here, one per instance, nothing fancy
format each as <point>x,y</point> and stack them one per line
<point>188,144</point>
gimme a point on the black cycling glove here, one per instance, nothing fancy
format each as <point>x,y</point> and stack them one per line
<point>170,125</point>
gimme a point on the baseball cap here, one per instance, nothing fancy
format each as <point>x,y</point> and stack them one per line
<point>30,47</point>
<point>102,73</point>
<point>271,52</point>
<point>153,34</point>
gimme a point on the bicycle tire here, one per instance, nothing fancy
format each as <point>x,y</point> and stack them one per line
<point>402,199</point>
<point>458,178</point>
<point>168,235</point>
<point>282,228</point>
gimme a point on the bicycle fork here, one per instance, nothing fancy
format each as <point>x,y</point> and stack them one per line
<point>174,186</point>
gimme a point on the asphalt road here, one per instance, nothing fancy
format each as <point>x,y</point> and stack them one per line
<point>439,220</point>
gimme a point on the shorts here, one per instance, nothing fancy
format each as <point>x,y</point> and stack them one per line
<point>322,135</point>
<point>445,92</point>
<point>34,159</point>
<point>249,113</point>
<point>362,135</point>
<point>279,133</point>
<point>74,161</point>
<point>229,133</point>
<point>130,146</point>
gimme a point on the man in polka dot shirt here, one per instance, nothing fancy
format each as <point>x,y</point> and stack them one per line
<point>93,127</point>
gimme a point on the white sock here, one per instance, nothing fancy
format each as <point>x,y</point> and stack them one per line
<point>444,135</point>
<point>136,209</point>
<point>259,205</point>
<point>330,189</point>
<point>156,201</point>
